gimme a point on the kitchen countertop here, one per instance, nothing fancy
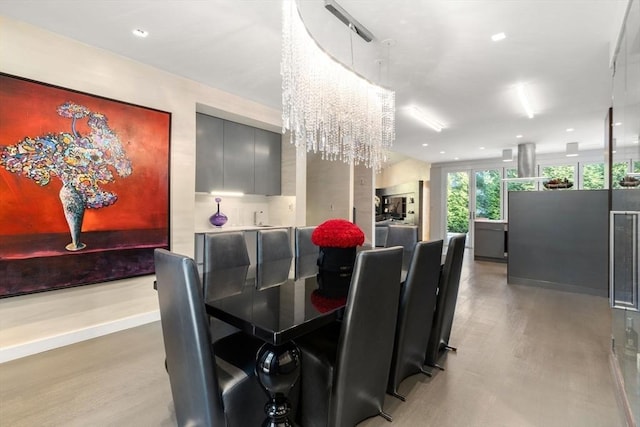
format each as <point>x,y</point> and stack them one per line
<point>212,229</point>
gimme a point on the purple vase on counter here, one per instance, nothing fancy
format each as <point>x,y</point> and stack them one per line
<point>218,219</point>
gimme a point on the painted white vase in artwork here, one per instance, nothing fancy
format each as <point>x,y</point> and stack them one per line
<point>73,205</point>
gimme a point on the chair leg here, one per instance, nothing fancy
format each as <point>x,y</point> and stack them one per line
<point>398,396</point>
<point>435,365</point>
<point>448,347</point>
<point>386,416</point>
<point>427,373</point>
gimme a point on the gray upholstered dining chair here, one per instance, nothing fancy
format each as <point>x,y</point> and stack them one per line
<point>405,236</point>
<point>345,366</point>
<point>225,250</point>
<point>382,232</point>
<point>402,235</point>
<point>226,260</point>
<point>210,384</point>
<point>304,245</point>
<point>273,245</point>
<point>306,253</point>
<point>415,314</point>
<point>446,302</point>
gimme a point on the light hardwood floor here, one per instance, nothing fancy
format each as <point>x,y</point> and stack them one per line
<point>527,357</point>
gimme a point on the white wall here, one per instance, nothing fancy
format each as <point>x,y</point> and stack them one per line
<point>411,170</point>
<point>328,189</point>
<point>37,322</point>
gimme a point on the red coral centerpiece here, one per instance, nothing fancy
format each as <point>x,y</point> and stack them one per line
<point>338,240</point>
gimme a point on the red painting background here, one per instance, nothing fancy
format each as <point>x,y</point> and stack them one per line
<point>30,109</point>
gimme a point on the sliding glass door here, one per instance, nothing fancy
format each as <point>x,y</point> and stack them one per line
<point>458,208</point>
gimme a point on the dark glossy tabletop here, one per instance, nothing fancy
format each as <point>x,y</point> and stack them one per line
<point>276,301</point>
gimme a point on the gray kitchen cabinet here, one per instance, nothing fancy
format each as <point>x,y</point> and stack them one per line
<point>209,158</point>
<point>238,156</point>
<point>234,157</point>
<point>267,155</point>
<point>489,240</point>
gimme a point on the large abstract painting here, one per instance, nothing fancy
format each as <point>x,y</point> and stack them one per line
<point>84,187</point>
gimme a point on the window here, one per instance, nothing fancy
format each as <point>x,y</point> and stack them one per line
<point>488,194</point>
<point>458,202</point>
<point>519,186</point>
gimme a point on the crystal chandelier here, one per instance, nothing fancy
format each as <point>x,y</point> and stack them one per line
<point>327,107</point>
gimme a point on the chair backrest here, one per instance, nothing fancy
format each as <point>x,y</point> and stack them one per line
<point>366,338</point>
<point>447,298</point>
<point>185,329</point>
<point>273,245</point>
<point>415,312</point>
<point>405,236</point>
<point>225,250</point>
<point>303,243</point>
<point>402,235</point>
<point>382,232</point>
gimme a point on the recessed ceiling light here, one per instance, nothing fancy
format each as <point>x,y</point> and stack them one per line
<point>456,158</point>
<point>498,37</point>
<point>140,33</point>
<point>482,148</point>
<point>518,136</point>
<point>442,152</point>
<point>617,123</point>
<point>570,129</point>
<point>425,145</point>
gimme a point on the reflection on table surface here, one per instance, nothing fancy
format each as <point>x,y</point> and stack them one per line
<point>276,301</point>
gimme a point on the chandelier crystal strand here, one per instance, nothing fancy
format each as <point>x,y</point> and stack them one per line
<point>328,108</point>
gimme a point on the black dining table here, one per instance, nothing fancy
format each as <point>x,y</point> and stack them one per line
<point>277,302</point>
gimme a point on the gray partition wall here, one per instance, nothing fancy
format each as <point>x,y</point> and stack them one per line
<point>559,239</point>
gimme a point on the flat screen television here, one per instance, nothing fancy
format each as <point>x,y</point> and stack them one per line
<point>396,207</point>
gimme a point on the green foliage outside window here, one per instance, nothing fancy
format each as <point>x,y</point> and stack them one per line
<point>488,194</point>
<point>519,186</point>
<point>458,202</point>
<point>560,172</point>
<point>593,175</point>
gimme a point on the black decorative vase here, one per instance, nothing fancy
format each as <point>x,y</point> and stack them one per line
<point>337,260</point>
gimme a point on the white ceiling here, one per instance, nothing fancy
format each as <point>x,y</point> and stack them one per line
<point>441,58</point>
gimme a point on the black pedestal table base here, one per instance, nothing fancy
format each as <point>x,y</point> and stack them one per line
<point>278,369</point>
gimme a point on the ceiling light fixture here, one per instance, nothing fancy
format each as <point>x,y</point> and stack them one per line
<point>421,116</point>
<point>507,155</point>
<point>518,136</point>
<point>425,145</point>
<point>524,100</point>
<point>617,123</point>
<point>348,20</point>
<point>442,152</point>
<point>572,149</point>
<point>326,106</point>
<point>570,129</point>
<point>140,33</point>
<point>481,148</point>
<point>498,37</point>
